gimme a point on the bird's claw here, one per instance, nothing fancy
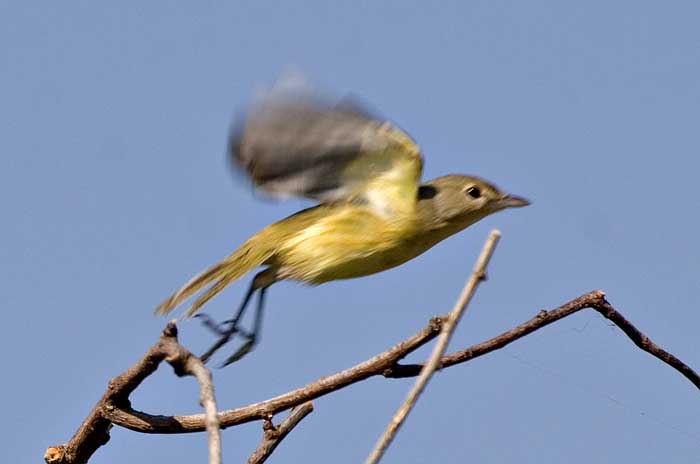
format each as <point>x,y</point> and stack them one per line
<point>226,330</point>
<point>220,329</point>
<point>242,351</point>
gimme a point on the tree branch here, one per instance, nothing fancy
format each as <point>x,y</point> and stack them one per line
<point>188,364</point>
<point>94,431</point>
<point>129,418</point>
<point>385,364</point>
<point>433,363</point>
<point>594,300</point>
<point>272,436</point>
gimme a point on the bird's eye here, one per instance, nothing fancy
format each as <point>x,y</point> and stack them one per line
<point>474,192</point>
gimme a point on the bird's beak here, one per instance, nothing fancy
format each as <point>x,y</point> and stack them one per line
<point>513,201</point>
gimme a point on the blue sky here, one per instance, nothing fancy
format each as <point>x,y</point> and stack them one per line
<point>114,191</point>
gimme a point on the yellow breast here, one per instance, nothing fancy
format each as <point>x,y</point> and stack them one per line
<point>343,241</point>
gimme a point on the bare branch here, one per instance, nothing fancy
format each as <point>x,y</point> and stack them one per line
<point>272,436</point>
<point>94,431</point>
<point>594,300</point>
<point>385,364</point>
<point>185,363</point>
<point>138,421</point>
<point>448,328</point>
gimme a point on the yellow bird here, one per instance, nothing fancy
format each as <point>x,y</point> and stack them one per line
<point>374,213</point>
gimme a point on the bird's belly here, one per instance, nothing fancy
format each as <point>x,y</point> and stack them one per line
<point>345,256</point>
<point>345,242</point>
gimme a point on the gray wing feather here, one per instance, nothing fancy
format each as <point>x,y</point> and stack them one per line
<point>300,146</point>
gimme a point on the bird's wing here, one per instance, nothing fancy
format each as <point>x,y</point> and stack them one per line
<point>300,145</point>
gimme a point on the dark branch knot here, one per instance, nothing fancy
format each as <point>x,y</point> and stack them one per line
<point>170,330</point>
<point>436,323</point>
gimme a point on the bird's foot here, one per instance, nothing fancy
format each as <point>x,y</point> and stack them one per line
<point>226,331</point>
<point>219,328</point>
<point>246,348</point>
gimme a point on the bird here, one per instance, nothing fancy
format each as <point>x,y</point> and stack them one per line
<point>373,211</point>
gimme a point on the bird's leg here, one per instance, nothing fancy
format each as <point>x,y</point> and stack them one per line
<point>225,333</point>
<point>251,336</point>
<point>209,322</point>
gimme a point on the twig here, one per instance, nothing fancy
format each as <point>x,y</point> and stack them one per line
<point>594,300</point>
<point>94,431</point>
<point>272,436</point>
<point>477,276</point>
<point>385,364</point>
<point>195,367</point>
<point>138,421</point>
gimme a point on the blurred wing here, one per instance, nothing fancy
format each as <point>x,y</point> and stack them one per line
<point>299,145</point>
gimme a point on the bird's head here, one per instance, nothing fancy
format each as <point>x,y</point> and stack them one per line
<point>457,201</point>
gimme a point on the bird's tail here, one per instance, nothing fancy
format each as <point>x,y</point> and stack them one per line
<point>249,255</point>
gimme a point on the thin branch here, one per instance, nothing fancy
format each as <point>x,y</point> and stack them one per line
<point>94,431</point>
<point>185,363</point>
<point>540,320</point>
<point>594,300</point>
<point>129,418</point>
<point>478,275</point>
<point>272,436</point>
<point>385,364</point>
